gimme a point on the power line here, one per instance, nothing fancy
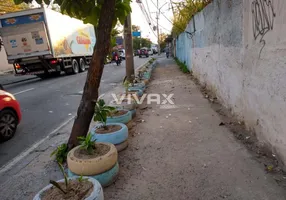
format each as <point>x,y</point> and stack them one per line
<point>148,8</point>
<point>141,5</point>
<point>162,26</point>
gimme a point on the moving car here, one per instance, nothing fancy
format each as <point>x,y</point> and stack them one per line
<point>143,52</point>
<point>10,115</point>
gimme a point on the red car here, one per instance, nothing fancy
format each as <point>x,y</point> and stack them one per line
<point>10,115</point>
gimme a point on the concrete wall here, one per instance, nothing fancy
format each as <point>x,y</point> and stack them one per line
<point>241,56</point>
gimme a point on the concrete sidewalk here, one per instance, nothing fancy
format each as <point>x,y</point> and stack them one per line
<point>182,153</point>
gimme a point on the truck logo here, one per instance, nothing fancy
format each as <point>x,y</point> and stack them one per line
<point>11,21</point>
<point>35,17</point>
<point>83,40</point>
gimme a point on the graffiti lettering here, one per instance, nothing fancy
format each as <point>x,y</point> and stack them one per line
<point>262,19</point>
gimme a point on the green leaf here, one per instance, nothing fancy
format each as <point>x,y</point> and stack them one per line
<point>64,174</point>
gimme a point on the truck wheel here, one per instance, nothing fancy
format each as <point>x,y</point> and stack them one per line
<point>75,66</point>
<point>81,65</point>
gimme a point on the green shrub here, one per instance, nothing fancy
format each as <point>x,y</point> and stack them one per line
<point>183,67</point>
<point>61,153</point>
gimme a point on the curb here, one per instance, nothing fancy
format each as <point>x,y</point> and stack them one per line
<point>144,65</point>
<point>14,82</point>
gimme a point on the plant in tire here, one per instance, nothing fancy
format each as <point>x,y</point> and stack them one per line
<point>91,158</point>
<point>101,111</point>
<point>79,188</point>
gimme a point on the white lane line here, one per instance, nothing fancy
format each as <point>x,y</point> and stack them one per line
<point>15,160</point>
<point>23,91</point>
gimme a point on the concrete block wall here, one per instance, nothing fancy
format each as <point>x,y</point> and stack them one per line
<point>238,49</point>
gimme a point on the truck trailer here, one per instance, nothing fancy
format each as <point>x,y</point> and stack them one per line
<point>43,42</point>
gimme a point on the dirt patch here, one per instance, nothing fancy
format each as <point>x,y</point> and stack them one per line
<point>99,150</point>
<point>260,152</point>
<point>108,129</point>
<point>119,113</point>
<point>76,191</point>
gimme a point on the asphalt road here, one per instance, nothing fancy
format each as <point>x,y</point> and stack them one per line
<point>46,104</point>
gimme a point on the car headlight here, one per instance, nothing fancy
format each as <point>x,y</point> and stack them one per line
<point>10,95</point>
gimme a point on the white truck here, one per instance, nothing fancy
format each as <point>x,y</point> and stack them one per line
<point>42,42</point>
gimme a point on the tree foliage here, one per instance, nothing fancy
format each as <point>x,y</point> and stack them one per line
<point>162,40</point>
<point>135,28</point>
<point>145,42</point>
<point>7,6</point>
<point>184,11</point>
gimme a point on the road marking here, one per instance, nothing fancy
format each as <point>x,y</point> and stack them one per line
<point>15,160</point>
<point>23,91</point>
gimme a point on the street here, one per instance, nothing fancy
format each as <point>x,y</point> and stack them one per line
<point>46,104</point>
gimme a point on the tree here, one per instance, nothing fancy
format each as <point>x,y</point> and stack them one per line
<point>184,11</point>
<point>7,6</point>
<point>162,40</point>
<point>104,15</point>
<point>143,41</point>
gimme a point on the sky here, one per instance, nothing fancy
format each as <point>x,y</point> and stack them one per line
<point>165,17</point>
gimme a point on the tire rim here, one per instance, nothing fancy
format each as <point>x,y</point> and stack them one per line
<point>8,124</point>
<point>75,67</point>
<point>82,65</point>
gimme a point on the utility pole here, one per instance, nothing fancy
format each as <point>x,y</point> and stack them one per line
<point>128,45</point>
<point>158,33</point>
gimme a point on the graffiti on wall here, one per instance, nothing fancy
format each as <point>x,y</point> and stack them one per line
<point>262,19</point>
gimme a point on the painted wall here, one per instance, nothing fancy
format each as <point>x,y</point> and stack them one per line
<point>240,54</point>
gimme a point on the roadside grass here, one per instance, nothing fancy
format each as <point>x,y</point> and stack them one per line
<point>183,67</point>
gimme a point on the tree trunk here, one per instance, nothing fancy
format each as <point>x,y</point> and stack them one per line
<point>128,49</point>
<point>85,110</point>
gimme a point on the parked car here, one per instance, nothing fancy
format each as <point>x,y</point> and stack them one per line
<point>10,115</point>
<point>143,52</point>
<point>150,52</point>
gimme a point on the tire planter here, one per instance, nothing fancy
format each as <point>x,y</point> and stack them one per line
<point>106,178</point>
<point>98,165</point>
<point>145,81</point>
<point>133,113</point>
<point>138,87</point>
<point>139,91</point>
<point>147,75</point>
<point>97,193</point>
<point>123,145</point>
<point>120,119</point>
<point>124,105</point>
<point>116,137</point>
